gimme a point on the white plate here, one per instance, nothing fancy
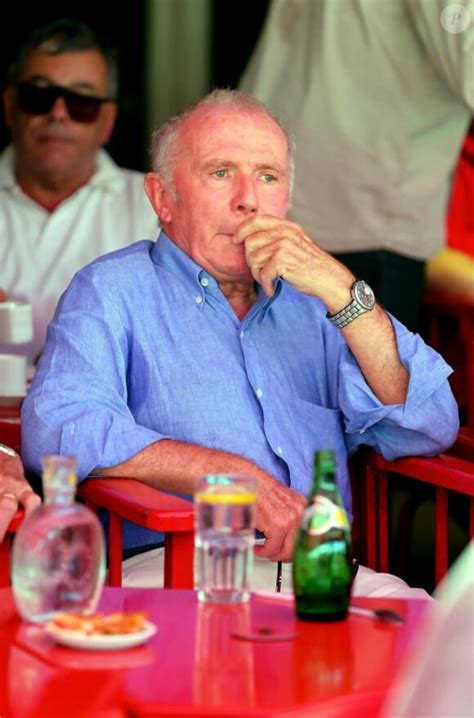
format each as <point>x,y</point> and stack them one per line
<point>98,642</point>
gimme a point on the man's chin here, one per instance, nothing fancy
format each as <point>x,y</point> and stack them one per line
<point>233,273</point>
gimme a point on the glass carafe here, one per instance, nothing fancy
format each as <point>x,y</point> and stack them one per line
<point>58,557</point>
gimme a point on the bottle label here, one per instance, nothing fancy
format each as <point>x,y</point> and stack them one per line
<point>323,515</point>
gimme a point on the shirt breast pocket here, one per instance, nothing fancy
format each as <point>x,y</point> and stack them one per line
<point>319,428</point>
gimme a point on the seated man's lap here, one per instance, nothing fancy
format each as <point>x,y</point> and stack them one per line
<point>146,570</point>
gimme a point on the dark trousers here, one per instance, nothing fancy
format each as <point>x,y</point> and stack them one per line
<point>397,281</point>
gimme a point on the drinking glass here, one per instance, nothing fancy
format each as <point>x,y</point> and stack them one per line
<point>224,537</point>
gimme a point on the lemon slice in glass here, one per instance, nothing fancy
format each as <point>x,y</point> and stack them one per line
<point>226,495</point>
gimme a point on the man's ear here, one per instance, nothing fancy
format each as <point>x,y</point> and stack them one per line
<point>159,196</point>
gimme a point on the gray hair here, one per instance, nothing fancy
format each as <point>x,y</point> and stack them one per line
<point>59,37</point>
<point>164,139</point>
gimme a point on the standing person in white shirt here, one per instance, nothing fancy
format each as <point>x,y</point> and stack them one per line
<point>63,200</point>
<point>378,97</point>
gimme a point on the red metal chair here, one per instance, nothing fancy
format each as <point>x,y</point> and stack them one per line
<point>130,499</point>
<point>449,328</point>
<point>447,474</point>
<point>123,499</point>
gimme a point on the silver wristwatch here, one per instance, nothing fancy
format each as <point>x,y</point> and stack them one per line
<point>363,300</point>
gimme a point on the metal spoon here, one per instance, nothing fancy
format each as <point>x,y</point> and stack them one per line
<point>385,615</point>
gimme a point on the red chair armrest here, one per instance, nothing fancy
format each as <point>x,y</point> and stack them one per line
<point>16,520</point>
<point>139,503</point>
<point>130,499</point>
<point>449,472</point>
<point>10,433</point>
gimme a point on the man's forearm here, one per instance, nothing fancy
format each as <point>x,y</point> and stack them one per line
<point>371,339</point>
<point>174,465</point>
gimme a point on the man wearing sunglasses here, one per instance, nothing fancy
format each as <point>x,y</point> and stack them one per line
<point>63,201</point>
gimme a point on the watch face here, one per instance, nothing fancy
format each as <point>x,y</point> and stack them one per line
<point>364,294</point>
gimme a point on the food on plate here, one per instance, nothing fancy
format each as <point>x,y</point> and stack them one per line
<point>99,624</point>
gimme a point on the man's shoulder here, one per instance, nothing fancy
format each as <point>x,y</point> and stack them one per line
<point>109,174</point>
<point>133,177</point>
<point>121,260</point>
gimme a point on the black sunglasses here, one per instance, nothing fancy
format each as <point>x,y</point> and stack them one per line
<point>36,100</point>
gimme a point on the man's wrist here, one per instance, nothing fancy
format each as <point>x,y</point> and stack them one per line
<point>363,300</point>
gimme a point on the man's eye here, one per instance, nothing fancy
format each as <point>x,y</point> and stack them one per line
<point>268,177</point>
<point>220,173</point>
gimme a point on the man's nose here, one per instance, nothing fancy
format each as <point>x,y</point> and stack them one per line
<point>59,109</point>
<point>245,197</point>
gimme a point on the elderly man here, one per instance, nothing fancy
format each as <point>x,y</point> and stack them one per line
<point>233,343</point>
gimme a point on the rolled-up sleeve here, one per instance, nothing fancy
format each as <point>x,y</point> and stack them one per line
<point>426,424</point>
<point>77,404</point>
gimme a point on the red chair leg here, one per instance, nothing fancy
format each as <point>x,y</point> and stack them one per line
<point>115,550</point>
<point>179,560</point>
<point>371,503</point>
<point>441,534</point>
<point>383,522</point>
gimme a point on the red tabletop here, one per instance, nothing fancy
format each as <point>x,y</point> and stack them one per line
<point>196,666</point>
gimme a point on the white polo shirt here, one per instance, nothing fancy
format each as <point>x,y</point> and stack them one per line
<point>40,251</point>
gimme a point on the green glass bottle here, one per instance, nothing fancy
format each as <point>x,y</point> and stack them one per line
<point>322,557</point>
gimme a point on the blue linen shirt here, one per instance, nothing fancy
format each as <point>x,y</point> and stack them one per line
<point>144,346</point>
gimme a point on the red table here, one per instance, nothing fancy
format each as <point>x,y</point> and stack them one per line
<point>193,666</point>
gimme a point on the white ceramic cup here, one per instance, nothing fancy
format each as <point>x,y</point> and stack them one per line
<point>16,322</point>
<point>12,375</point>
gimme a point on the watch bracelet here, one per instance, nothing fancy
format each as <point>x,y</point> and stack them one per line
<point>346,316</point>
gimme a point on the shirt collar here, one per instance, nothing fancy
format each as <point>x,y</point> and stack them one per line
<point>172,258</point>
<point>107,175</point>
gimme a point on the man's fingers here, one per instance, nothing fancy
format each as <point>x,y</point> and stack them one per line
<point>10,502</point>
<point>8,507</point>
<point>256,224</point>
<point>30,500</point>
<point>271,549</point>
<point>279,510</point>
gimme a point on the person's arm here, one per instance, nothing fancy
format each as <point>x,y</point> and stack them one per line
<point>171,465</point>
<point>15,490</point>
<point>77,405</point>
<point>280,248</point>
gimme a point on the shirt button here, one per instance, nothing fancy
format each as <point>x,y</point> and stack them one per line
<point>204,282</point>
<point>242,334</point>
<point>198,300</point>
<point>259,393</point>
<point>279,450</point>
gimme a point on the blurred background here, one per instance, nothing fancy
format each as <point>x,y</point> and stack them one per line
<point>171,52</point>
